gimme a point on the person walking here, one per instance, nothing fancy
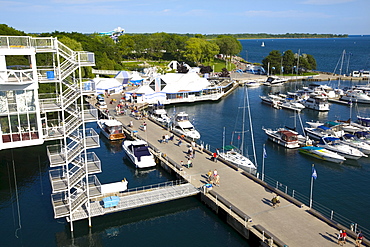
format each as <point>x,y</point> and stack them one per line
<point>344,236</point>
<point>359,238</point>
<point>189,163</point>
<point>217,180</point>
<point>209,176</point>
<point>274,201</point>
<point>214,157</point>
<point>340,237</point>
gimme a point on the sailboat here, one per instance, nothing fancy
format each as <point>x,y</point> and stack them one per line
<point>235,155</point>
<point>263,44</point>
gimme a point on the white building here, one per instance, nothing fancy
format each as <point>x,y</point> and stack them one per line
<point>177,88</point>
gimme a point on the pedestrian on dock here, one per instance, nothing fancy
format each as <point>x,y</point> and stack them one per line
<point>166,137</point>
<point>214,157</point>
<point>217,180</point>
<point>340,237</point>
<point>201,147</point>
<point>182,163</point>
<point>275,200</point>
<point>171,137</point>
<point>215,173</point>
<point>359,238</point>
<point>163,139</point>
<point>209,176</point>
<point>131,124</point>
<point>190,164</point>
<point>179,143</point>
<point>344,236</point>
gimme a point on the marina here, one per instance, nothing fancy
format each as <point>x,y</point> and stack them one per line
<point>227,190</point>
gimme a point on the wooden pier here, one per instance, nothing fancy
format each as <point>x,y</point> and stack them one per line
<point>242,200</point>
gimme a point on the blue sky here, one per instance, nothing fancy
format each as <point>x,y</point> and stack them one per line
<point>188,16</point>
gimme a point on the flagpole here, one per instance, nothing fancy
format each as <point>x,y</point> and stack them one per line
<point>263,162</point>
<point>311,185</point>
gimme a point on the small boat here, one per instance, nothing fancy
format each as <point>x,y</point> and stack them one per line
<point>263,44</point>
<point>291,104</point>
<point>334,144</point>
<point>183,126</point>
<point>355,142</point>
<point>363,135</point>
<point>322,153</point>
<point>252,84</point>
<point>159,114</point>
<point>356,96</point>
<point>112,129</point>
<point>138,152</point>
<point>273,81</point>
<point>232,154</point>
<point>324,131</point>
<point>317,102</point>
<point>284,137</point>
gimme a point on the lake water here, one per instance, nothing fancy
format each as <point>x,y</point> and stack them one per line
<point>27,216</point>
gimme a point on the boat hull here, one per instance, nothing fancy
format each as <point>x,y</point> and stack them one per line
<point>322,154</point>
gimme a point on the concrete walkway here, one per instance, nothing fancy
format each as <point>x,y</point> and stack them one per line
<point>291,224</point>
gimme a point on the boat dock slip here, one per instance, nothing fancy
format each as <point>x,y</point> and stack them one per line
<point>244,199</point>
<point>138,197</point>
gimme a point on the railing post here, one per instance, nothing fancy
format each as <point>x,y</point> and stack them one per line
<point>293,193</point>
<point>331,214</point>
<point>277,184</point>
<point>286,189</point>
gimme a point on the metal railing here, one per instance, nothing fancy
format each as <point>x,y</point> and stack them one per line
<point>17,76</point>
<point>325,211</point>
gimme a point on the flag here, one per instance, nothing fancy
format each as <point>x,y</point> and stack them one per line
<point>264,153</point>
<point>314,174</point>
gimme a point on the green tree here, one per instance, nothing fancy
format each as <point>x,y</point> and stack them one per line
<point>288,61</point>
<point>272,62</point>
<point>228,45</point>
<point>312,61</point>
<point>193,50</point>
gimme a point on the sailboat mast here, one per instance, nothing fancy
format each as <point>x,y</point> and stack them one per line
<point>243,129</point>
<point>251,126</point>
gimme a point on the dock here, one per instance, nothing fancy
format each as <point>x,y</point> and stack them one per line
<point>242,200</point>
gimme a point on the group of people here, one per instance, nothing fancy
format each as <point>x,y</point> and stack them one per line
<point>342,238</point>
<point>213,177</point>
<point>166,138</point>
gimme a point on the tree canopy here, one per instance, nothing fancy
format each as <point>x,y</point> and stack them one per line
<point>288,62</point>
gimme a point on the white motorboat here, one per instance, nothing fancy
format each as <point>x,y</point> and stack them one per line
<point>183,126</point>
<point>252,84</point>
<point>112,129</point>
<point>273,81</point>
<point>322,153</point>
<point>323,131</point>
<point>355,142</point>
<point>231,154</point>
<point>317,102</point>
<point>159,114</point>
<point>284,137</point>
<point>363,135</point>
<point>291,104</point>
<point>334,144</point>
<point>138,152</point>
<point>356,96</point>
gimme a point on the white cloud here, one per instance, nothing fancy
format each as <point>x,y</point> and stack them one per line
<point>326,2</point>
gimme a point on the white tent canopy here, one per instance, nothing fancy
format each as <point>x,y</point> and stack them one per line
<point>110,84</point>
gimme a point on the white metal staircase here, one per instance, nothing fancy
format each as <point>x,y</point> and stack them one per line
<point>72,167</point>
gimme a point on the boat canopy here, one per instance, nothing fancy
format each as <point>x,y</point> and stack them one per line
<point>349,136</point>
<point>323,127</point>
<point>230,147</point>
<point>311,148</point>
<point>330,139</point>
<point>331,123</point>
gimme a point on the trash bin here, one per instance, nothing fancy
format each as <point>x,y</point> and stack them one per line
<point>50,75</point>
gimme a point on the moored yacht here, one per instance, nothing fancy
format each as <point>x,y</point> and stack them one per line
<point>233,155</point>
<point>284,137</point>
<point>111,128</point>
<point>273,81</point>
<point>322,153</point>
<point>355,142</point>
<point>356,96</point>
<point>334,144</point>
<point>317,102</point>
<point>183,126</point>
<point>138,152</point>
